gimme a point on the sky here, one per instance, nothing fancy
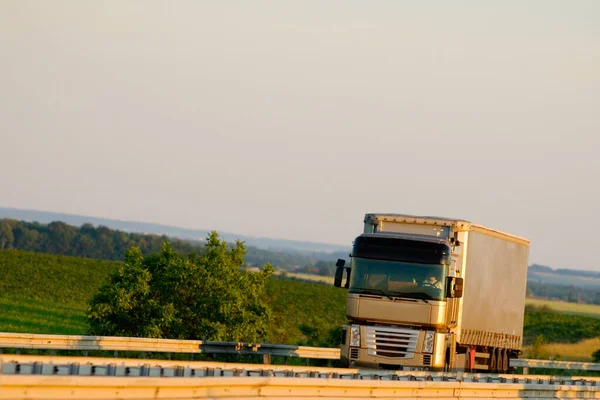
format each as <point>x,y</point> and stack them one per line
<point>293,119</point>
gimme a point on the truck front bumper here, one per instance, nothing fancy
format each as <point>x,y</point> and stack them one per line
<point>392,348</point>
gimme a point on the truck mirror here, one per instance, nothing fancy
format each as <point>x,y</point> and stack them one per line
<point>454,287</point>
<point>340,263</point>
<point>339,274</point>
<point>458,287</point>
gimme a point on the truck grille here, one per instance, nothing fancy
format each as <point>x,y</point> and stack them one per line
<point>391,342</point>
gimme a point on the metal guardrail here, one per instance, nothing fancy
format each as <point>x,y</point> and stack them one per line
<point>110,343</point>
<point>113,388</point>
<point>12,364</point>
<point>92,343</point>
<point>550,364</point>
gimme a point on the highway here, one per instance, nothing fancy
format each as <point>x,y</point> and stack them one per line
<point>45,377</point>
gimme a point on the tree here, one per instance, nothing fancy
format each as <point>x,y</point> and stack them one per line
<point>596,356</point>
<point>537,348</point>
<point>125,306</point>
<point>6,234</point>
<point>171,296</point>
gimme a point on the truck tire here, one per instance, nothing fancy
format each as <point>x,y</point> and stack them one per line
<point>504,368</point>
<point>493,366</point>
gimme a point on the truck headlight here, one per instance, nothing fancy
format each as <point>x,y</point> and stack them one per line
<point>355,336</point>
<point>428,342</point>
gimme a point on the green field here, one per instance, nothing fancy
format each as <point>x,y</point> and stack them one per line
<point>51,279</point>
<point>580,351</point>
<point>45,293</point>
<point>306,277</point>
<point>35,316</point>
<point>588,310</point>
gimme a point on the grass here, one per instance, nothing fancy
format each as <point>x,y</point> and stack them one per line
<point>588,310</point>
<point>51,279</point>
<point>306,313</point>
<point>306,277</point>
<point>563,321</point>
<point>46,293</point>
<point>35,316</point>
<point>580,351</point>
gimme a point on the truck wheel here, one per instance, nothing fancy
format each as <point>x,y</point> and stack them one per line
<point>504,361</point>
<point>492,365</point>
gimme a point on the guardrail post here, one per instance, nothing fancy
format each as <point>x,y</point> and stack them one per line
<point>74,369</point>
<point>37,368</point>
<point>145,370</point>
<point>111,370</point>
<point>525,370</point>
<point>266,359</point>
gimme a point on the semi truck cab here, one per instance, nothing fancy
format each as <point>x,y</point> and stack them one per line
<point>405,298</point>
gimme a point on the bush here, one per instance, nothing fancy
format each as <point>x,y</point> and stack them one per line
<point>596,356</point>
<point>167,295</point>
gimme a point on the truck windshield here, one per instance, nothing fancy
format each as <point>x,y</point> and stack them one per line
<point>396,278</point>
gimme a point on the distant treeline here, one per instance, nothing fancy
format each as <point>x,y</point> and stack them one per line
<point>571,294</point>
<point>108,244</point>
<point>562,271</point>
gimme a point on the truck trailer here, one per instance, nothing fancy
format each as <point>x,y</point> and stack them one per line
<point>431,293</point>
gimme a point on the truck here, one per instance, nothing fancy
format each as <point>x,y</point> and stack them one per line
<point>433,293</point>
